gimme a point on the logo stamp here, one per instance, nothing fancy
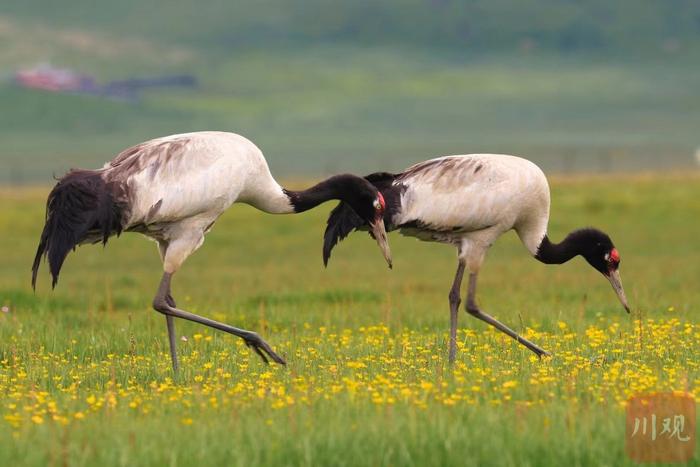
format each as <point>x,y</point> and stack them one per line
<point>660,427</point>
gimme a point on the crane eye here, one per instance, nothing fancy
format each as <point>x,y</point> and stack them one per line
<point>379,204</point>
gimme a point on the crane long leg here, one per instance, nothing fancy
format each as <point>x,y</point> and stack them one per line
<point>170,321</point>
<point>160,304</point>
<point>455,300</point>
<point>474,310</point>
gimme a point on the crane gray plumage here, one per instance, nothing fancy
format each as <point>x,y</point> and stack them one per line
<point>172,190</point>
<point>468,201</point>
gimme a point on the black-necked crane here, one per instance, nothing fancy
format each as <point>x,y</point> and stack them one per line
<point>172,190</point>
<point>468,201</point>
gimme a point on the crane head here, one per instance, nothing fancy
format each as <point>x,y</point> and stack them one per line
<point>604,257</point>
<point>377,229</point>
<point>613,275</point>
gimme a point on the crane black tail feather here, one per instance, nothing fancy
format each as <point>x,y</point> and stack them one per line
<point>341,222</point>
<point>81,207</point>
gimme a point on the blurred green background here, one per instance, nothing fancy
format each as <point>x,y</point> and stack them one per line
<point>328,86</point>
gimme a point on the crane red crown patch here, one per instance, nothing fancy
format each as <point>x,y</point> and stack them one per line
<point>381,200</point>
<point>614,255</point>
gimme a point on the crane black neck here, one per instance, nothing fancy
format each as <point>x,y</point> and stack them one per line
<point>556,253</point>
<point>579,242</point>
<point>346,187</point>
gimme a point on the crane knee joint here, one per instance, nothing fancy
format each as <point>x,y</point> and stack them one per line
<point>160,305</point>
<point>455,299</point>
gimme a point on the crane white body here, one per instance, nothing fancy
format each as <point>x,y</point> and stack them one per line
<point>220,169</point>
<point>179,185</point>
<point>470,200</point>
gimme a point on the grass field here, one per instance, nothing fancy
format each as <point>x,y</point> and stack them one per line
<point>85,377</point>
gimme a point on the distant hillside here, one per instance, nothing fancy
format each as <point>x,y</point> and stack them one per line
<point>360,85</point>
<point>480,25</point>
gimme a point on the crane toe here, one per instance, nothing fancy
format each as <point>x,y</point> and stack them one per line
<point>255,342</point>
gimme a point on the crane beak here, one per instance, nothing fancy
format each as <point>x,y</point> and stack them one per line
<point>379,233</point>
<point>614,278</point>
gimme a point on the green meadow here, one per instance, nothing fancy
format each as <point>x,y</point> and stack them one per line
<point>85,376</point>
